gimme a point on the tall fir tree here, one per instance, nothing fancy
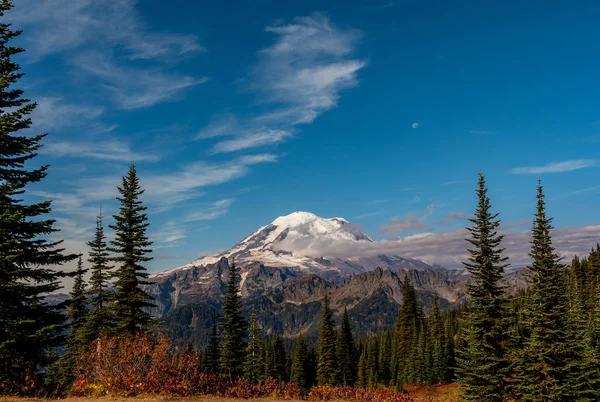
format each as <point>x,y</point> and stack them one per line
<point>385,358</point>
<point>327,364</point>
<point>253,364</point>
<point>346,353</point>
<point>131,246</point>
<point>405,334</point>
<point>300,365</point>
<point>77,342</point>
<point>101,317</point>
<point>233,324</point>
<point>437,344</point>
<point>214,347</point>
<point>363,371</point>
<point>483,364</point>
<point>30,329</point>
<point>551,362</point>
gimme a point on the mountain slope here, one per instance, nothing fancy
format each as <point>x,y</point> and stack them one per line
<point>277,245</point>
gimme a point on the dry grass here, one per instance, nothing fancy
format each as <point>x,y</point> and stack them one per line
<point>434,393</point>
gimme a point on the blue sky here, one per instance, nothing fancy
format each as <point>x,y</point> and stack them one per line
<point>380,112</point>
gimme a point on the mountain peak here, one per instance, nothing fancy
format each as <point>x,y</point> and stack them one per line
<point>291,241</point>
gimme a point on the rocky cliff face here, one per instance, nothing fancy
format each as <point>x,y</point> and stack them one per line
<point>288,302</point>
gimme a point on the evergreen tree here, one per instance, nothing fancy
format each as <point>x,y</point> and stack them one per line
<point>300,365</point>
<point>101,317</point>
<point>30,329</point>
<point>232,347</point>
<point>327,365</point>
<point>385,358</point>
<point>437,344</point>
<point>363,375</point>
<point>346,353</point>
<point>252,367</point>
<point>551,362</point>
<point>214,348</point>
<point>279,359</point>
<point>131,246</point>
<point>483,365</point>
<point>372,366</point>
<point>76,339</point>
<point>405,333</point>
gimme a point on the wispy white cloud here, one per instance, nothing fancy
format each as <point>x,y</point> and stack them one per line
<point>135,88</point>
<point>576,192</point>
<point>111,150</point>
<point>478,131</point>
<point>556,167</point>
<point>104,38</point>
<point>300,76</point>
<point>413,221</point>
<point>58,26</point>
<point>376,202</point>
<point>217,209</point>
<point>165,190</point>
<point>368,215</point>
<point>53,112</point>
<point>266,137</point>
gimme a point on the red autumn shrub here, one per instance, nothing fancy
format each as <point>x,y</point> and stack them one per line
<point>146,364</point>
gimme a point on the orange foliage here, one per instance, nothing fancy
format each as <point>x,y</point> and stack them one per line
<point>146,364</point>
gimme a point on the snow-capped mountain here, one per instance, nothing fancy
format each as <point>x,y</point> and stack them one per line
<point>284,280</point>
<point>286,242</point>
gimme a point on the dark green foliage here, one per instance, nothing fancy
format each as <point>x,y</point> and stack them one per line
<point>439,359</point>
<point>213,351</point>
<point>253,367</point>
<point>101,317</point>
<point>385,358</point>
<point>363,371</point>
<point>405,334</point>
<point>275,359</point>
<point>552,364</point>
<point>131,246</point>
<point>299,374</point>
<point>327,364</point>
<point>77,341</point>
<point>346,353</point>
<point>483,364</point>
<point>233,324</point>
<point>30,329</point>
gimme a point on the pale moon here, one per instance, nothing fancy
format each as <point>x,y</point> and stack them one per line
<point>415,125</point>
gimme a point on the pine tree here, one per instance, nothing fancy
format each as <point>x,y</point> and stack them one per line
<point>346,353</point>
<point>483,365</point>
<point>327,364</point>
<point>29,328</point>
<point>279,359</point>
<point>372,366</point>
<point>232,347</point>
<point>385,358</point>
<point>101,318</point>
<point>363,375</point>
<point>76,339</point>
<point>437,344</point>
<point>214,348</point>
<point>300,365</point>
<point>405,333</point>
<point>252,366</point>
<point>551,362</point>
<point>131,246</point>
